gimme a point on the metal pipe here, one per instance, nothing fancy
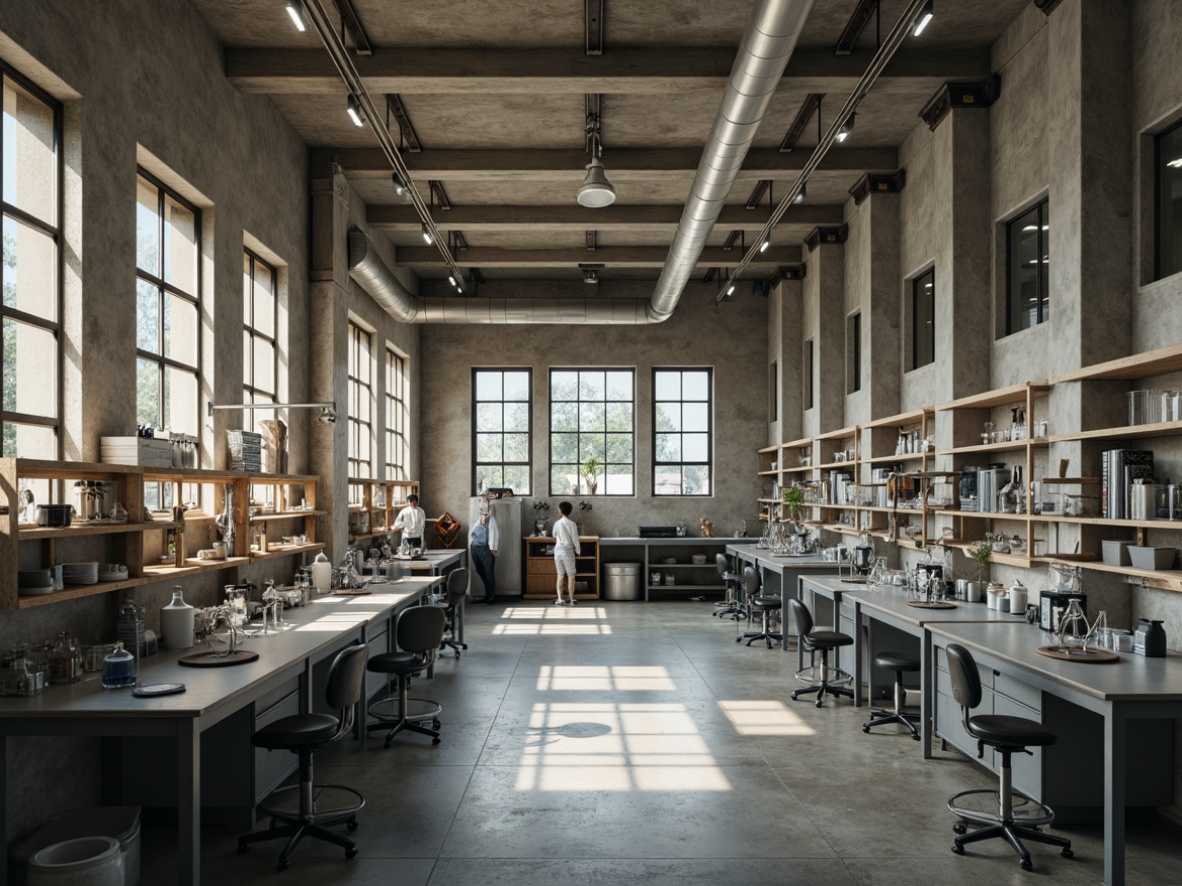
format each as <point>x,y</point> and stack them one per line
<point>767,45</point>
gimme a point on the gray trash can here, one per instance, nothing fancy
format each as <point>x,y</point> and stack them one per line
<point>621,581</point>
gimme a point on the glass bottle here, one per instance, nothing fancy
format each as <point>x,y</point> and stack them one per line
<point>63,661</point>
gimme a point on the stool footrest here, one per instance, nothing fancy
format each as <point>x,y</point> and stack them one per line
<point>417,709</point>
<point>1026,813</point>
<point>331,803</point>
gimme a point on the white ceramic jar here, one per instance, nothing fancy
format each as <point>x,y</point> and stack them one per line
<point>176,622</point>
<point>88,861</point>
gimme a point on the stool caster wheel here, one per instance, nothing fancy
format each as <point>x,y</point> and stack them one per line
<point>1067,853</point>
<point>958,849</point>
<point>352,825</point>
<point>738,639</point>
<point>351,852</point>
<point>959,828</point>
<point>282,866</point>
<point>436,740</point>
<point>866,729</point>
<point>1026,864</point>
<point>435,723</point>
<point>820,703</point>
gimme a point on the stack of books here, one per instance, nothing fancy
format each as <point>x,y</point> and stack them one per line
<point>1119,468</point>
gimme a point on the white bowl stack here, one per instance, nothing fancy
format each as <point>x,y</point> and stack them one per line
<point>80,573</point>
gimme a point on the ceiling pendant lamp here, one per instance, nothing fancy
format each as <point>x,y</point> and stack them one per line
<point>847,127</point>
<point>353,109</point>
<point>925,18</point>
<point>596,190</point>
<point>426,231</point>
<point>401,191</point>
<point>296,11</point>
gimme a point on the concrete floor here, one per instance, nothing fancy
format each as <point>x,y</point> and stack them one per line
<point>618,743</point>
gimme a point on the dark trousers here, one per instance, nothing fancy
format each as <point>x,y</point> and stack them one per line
<point>485,564</point>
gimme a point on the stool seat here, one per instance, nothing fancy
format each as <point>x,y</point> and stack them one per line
<point>296,731</point>
<point>395,663</point>
<point>1001,730</point>
<point>767,602</point>
<point>827,639</point>
<point>896,661</point>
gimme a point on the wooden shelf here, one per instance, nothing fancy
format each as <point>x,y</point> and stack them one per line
<point>902,420</point>
<point>1138,366</point>
<point>285,551</point>
<point>1013,395</point>
<point>30,533</point>
<point>1007,446</point>
<point>192,475</point>
<point>887,459</point>
<point>1125,432</point>
<point>287,515</point>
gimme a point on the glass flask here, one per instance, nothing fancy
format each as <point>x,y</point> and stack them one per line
<point>119,669</point>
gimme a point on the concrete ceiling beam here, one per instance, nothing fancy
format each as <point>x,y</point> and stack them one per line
<point>609,257</point>
<point>548,219</point>
<point>662,69</point>
<point>622,165</point>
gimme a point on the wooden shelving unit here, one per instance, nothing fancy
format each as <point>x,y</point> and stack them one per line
<point>541,578</point>
<point>380,502</point>
<point>135,541</point>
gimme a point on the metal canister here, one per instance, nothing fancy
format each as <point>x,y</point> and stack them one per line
<point>1174,492</point>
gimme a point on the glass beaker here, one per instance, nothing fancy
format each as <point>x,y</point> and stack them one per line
<point>1170,401</point>
<point>1073,629</point>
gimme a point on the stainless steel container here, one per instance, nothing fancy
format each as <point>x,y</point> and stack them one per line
<point>1143,500</point>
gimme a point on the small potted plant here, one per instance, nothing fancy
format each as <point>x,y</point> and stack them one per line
<point>794,503</point>
<point>981,552</point>
<point>589,470</point>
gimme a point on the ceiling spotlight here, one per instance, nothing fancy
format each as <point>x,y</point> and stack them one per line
<point>427,238</point>
<point>847,127</point>
<point>354,111</point>
<point>1175,163</point>
<point>596,191</point>
<point>730,290</point>
<point>401,191</point>
<point>590,277</point>
<point>328,415</point>
<point>296,11</point>
<point>765,244</point>
<point>800,197</point>
<point>925,17</point>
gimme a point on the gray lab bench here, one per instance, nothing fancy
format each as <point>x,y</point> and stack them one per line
<point>263,688</point>
<point>1114,721</point>
<point>781,573</point>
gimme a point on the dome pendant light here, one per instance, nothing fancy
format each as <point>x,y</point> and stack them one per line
<point>596,190</point>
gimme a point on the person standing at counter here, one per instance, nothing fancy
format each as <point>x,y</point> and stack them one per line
<point>412,520</point>
<point>566,546</point>
<point>483,541</point>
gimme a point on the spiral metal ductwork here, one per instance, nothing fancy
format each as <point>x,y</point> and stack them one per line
<point>767,45</point>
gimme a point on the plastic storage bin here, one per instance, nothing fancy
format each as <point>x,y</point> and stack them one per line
<point>119,822</point>
<point>621,581</point>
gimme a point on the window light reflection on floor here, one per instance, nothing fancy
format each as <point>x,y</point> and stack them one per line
<point>560,613</point>
<point>605,678</point>
<point>550,630</point>
<point>616,747</point>
<point>769,717</point>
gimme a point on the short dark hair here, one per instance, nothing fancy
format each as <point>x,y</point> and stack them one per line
<point>412,499</point>
<point>564,508</point>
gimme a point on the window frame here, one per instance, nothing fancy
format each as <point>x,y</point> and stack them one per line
<point>854,345</point>
<point>918,293</point>
<point>1042,279</point>
<point>396,417</point>
<point>54,231</point>
<point>250,390</point>
<point>359,387</point>
<point>709,462</point>
<point>477,464</point>
<point>1158,171</point>
<point>163,290</point>
<point>807,374</point>
<point>631,370</point>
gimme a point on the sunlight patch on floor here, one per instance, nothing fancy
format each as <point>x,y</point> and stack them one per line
<point>771,717</point>
<point>562,613</point>
<point>549,630</point>
<point>604,678</point>
<point>616,747</point>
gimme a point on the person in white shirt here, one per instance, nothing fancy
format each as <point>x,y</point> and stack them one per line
<point>483,541</point>
<point>566,546</point>
<point>412,521</point>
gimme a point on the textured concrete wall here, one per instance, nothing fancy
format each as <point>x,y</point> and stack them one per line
<point>824,322</point>
<point>728,338</point>
<point>144,81</point>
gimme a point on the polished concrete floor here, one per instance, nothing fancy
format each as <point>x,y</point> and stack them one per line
<point>615,743</point>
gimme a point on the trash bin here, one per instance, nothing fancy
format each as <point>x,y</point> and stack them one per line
<point>119,822</point>
<point>621,581</point>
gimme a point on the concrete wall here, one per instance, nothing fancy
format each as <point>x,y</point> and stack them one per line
<point>146,84</point>
<point>727,337</point>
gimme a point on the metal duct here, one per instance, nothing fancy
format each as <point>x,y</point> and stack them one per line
<point>374,276</point>
<point>767,45</point>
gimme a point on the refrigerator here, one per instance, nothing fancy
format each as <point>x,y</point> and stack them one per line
<point>507,512</point>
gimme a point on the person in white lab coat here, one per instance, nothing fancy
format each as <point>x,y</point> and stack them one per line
<point>483,541</point>
<point>566,546</point>
<point>412,521</point>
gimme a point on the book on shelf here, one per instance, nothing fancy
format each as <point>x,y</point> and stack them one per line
<point>1118,469</point>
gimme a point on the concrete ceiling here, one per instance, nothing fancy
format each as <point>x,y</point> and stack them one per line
<point>496,91</point>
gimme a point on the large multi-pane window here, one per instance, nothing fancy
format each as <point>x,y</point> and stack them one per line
<point>30,202</point>
<point>683,431</point>
<point>260,316</point>
<point>1027,260</point>
<point>360,403</point>
<point>502,412</point>
<point>397,398</point>
<point>592,427</point>
<point>1168,157</point>
<point>923,319</point>
<point>168,308</point>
